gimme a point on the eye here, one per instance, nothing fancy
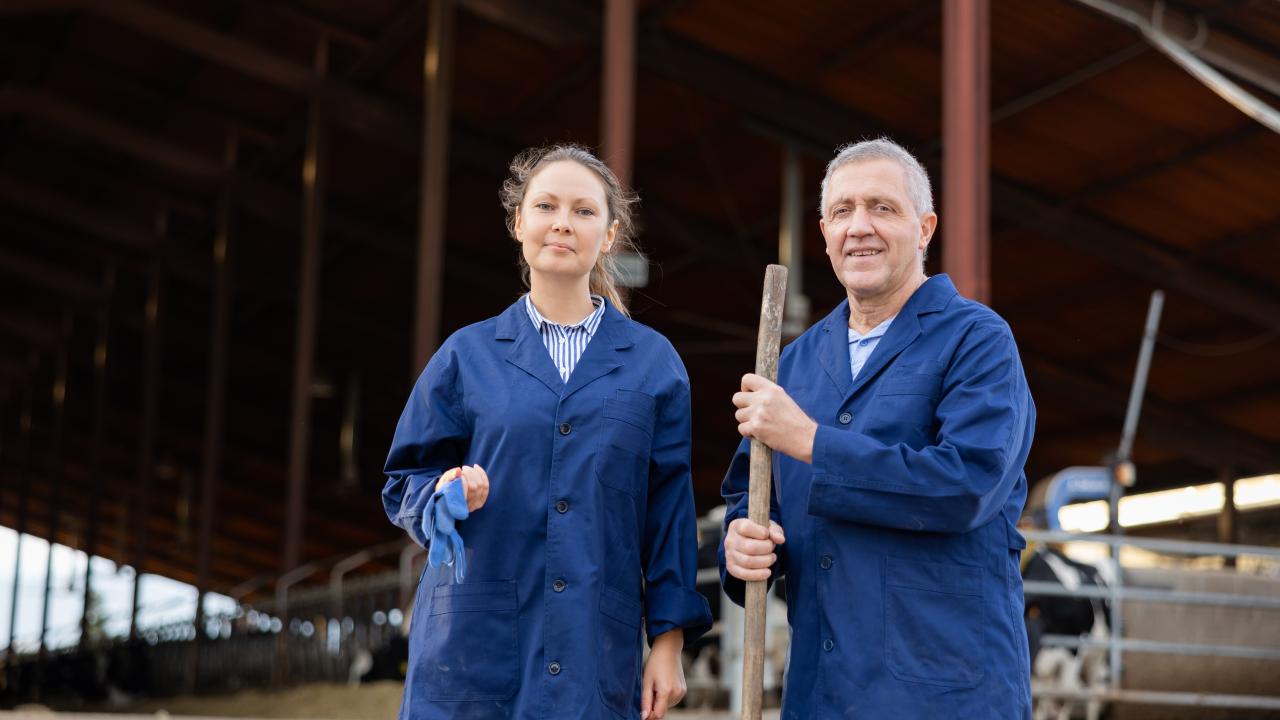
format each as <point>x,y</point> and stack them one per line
<point>586,212</point>
<point>542,205</point>
<point>840,211</point>
<point>883,208</point>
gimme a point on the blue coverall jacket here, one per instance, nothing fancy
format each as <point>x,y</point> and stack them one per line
<point>589,530</point>
<point>901,554</point>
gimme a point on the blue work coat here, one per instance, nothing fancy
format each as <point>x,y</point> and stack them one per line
<point>901,555</point>
<point>589,531</point>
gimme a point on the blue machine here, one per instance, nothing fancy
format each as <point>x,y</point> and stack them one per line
<point>1075,484</point>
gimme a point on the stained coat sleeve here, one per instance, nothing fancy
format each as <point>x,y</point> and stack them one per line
<point>737,481</point>
<point>670,554</point>
<point>959,481</point>
<point>431,437</point>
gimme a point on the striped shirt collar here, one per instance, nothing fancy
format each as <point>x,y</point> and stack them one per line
<point>589,324</point>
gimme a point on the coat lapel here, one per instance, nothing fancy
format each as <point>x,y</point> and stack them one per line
<point>527,351</point>
<point>601,356</point>
<point>902,332</point>
<point>930,297</point>
<point>834,352</point>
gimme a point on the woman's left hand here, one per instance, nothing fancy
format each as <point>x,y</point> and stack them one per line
<point>663,676</point>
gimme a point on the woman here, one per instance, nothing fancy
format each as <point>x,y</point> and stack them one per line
<point>567,424</point>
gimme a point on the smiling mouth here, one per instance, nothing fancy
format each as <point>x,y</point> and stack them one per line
<point>862,253</point>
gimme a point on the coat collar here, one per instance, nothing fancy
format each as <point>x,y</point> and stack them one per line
<point>930,297</point>
<point>529,354</point>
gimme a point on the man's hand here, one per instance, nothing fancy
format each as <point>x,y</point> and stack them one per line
<point>475,484</point>
<point>748,549</point>
<point>768,414</point>
<point>664,684</point>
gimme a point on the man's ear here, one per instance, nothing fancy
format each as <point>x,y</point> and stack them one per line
<point>928,223</point>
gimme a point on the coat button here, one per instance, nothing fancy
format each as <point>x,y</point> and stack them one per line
<point>565,428</point>
<point>562,506</point>
<point>554,668</point>
<point>825,562</point>
<point>828,644</point>
<point>559,585</point>
<point>846,418</point>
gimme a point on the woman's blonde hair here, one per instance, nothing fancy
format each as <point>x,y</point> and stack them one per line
<point>604,278</point>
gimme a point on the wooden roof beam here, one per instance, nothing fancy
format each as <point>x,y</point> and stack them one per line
<point>107,131</point>
<point>1136,254</point>
<point>53,206</point>
<point>359,110</point>
<point>52,277</point>
<point>1205,441</point>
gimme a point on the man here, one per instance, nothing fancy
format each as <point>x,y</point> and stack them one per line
<point>900,424</point>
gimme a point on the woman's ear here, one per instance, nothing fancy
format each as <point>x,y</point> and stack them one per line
<point>518,226</point>
<point>608,238</point>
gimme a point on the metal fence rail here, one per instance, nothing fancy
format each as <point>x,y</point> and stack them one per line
<point>1117,592</point>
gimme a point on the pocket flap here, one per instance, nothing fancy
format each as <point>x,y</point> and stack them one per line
<point>620,607</point>
<point>493,596</point>
<point>914,384</point>
<point>630,406</point>
<point>936,577</point>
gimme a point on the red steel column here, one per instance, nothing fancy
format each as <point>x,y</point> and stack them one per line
<point>966,199</point>
<point>617,96</point>
<point>437,90</point>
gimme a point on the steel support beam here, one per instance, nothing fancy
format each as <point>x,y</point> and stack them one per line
<point>437,90</point>
<point>58,398</point>
<point>314,177</point>
<point>21,467</point>
<point>216,394</point>
<point>966,131</point>
<point>141,504</point>
<point>1228,519</point>
<point>791,243</point>
<point>100,384</point>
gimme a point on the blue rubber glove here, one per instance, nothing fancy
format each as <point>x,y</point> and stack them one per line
<point>446,506</point>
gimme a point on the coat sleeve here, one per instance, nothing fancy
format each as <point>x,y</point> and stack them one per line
<point>431,437</point>
<point>670,554</point>
<point>737,481</point>
<point>961,480</point>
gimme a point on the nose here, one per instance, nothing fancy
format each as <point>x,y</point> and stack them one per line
<point>561,223</point>
<point>860,223</point>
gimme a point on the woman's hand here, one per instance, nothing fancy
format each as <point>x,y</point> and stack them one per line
<point>475,484</point>
<point>663,676</point>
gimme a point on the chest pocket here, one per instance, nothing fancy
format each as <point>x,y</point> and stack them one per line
<point>623,460</point>
<point>908,396</point>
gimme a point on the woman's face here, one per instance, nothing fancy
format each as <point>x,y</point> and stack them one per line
<point>563,224</point>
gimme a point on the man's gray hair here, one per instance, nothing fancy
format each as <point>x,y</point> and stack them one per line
<point>882,148</point>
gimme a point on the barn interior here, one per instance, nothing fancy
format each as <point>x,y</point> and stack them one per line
<point>233,231</point>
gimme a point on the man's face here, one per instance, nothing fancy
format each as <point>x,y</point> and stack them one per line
<point>875,238</point>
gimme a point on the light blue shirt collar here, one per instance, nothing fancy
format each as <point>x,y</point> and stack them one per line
<point>861,346</point>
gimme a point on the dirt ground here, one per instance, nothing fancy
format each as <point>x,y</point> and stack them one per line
<point>371,701</point>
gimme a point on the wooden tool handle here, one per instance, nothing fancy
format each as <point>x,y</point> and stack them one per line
<point>771,307</point>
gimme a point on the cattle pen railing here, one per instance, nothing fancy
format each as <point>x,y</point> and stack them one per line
<point>1118,592</point>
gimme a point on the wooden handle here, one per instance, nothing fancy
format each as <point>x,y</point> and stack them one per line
<point>771,307</point>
